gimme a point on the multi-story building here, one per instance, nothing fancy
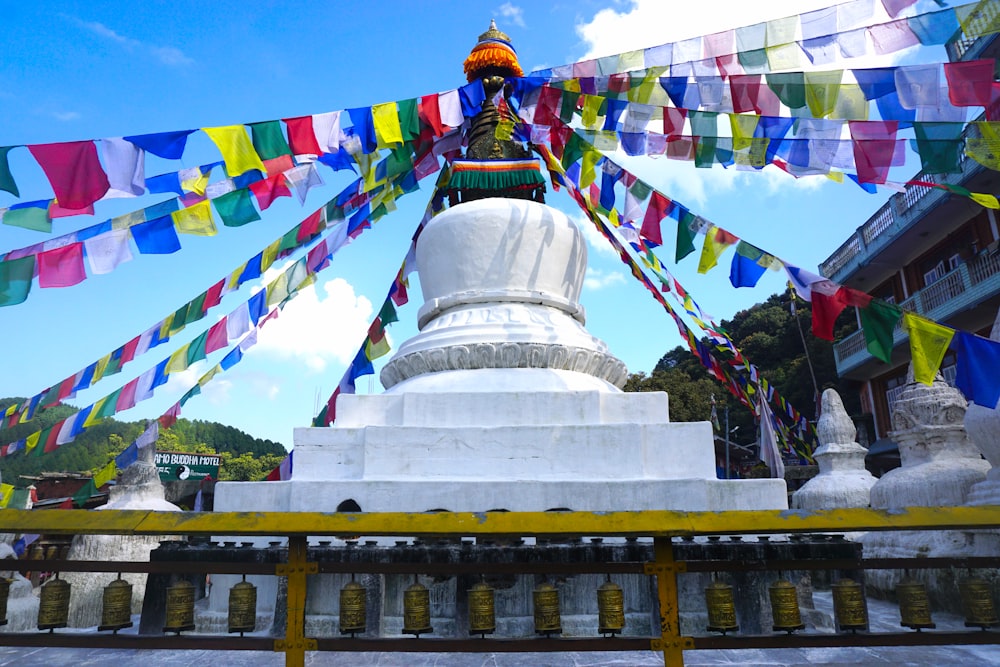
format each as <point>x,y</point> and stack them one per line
<point>929,251</point>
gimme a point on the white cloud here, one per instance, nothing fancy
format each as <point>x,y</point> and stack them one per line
<point>512,13</point>
<point>65,116</point>
<point>595,241</point>
<point>324,323</point>
<point>168,55</point>
<point>597,279</point>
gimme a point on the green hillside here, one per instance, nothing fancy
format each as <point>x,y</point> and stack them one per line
<point>244,457</point>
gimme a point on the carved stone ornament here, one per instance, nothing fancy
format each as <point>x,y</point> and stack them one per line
<point>505,355</point>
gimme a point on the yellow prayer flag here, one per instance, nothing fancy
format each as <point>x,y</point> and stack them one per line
<point>178,361</point>
<point>6,493</point>
<point>234,278</point>
<point>835,176</point>
<point>743,127</point>
<point>11,409</point>
<point>613,218</point>
<point>207,377</point>
<point>988,201</point>
<point>571,85</point>
<point>784,57</point>
<point>195,219</point>
<point>236,149</point>
<point>105,474</point>
<point>929,342</point>
<point>95,412</point>
<point>385,118</point>
<point>606,140</point>
<point>366,165</point>
<point>591,107</point>
<point>851,103</point>
<point>822,91</point>
<point>196,183</point>
<point>277,290</point>
<point>714,245</point>
<point>269,255</point>
<point>128,220</point>
<point>379,349</point>
<point>31,441</point>
<point>588,175</point>
<point>166,327</point>
<point>100,367</point>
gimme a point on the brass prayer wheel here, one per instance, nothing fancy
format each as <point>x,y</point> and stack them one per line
<point>180,607</point>
<point>547,618</point>
<point>849,605</point>
<point>53,605</point>
<point>721,608</point>
<point>977,603</point>
<point>914,606</point>
<point>785,607</point>
<point>416,610</point>
<point>37,552</point>
<point>482,609</point>
<point>243,607</point>
<point>52,552</point>
<point>610,608</point>
<point>116,611</point>
<point>4,594</point>
<point>353,601</point>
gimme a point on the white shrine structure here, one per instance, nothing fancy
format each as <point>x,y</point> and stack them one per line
<point>503,400</point>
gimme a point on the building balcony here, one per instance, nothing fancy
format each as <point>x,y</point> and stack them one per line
<point>958,291</point>
<point>897,216</point>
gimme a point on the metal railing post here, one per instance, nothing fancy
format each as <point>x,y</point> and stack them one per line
<point>295,644</point>
<point>665,568</point>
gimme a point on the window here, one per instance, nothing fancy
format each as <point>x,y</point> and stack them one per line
<point>954,261</point>
<point>934,274</point>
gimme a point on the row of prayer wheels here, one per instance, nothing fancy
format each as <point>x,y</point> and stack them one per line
<point>849,606</point>
<point>116,609</point>
<point>482,609</point>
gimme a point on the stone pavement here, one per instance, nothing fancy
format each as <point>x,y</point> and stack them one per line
<point>885,618</point>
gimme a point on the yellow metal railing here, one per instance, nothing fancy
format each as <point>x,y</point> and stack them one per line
<point>298,526</point>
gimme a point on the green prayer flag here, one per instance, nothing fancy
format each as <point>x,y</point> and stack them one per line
<point>268,140</point>
<point>939,146</point>
<point>6,178</point>
<point>704,154</point>
<point>409,119</point>
<point>81,497</point>
<point>878,320</point>
<point>388,313</point>
<point>179,319</point>
<point>568,107</point>
<point>108,407</point>
<point>29,217</point>
<point>400,161</point>
<point>196,309</point>
<point>789,87</point>
<point>190,393</point>
<point>196,348</point>
<point>15,280</point>
<point>573,150</point>
<point>289,240</point>
<point>753,60</point>
<point>236,208</point>
<point>640,190</point>
<point>685,237</point>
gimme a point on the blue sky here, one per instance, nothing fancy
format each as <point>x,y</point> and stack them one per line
<point>86,70</point>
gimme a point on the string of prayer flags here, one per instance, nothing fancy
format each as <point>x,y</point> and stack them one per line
<point>716,241</point>
<point>878,321</point>
<point>929,342</point>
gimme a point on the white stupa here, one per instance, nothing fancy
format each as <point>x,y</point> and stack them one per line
<point>503,400</point>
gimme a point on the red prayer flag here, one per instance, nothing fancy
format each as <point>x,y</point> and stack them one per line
<point>128,350</point>
<point>61,267</point>
<point>729,65</point>
<point>430,113</point>
<point>301,136</point>
<point>74,171</point>
<point>547,110</point>
<point>53,434</point>
<point>214,295</point>
<point>745,89</point>
<point>825,309</point>
<point>309,226</point>
<point>318,258</point>
<point>269,189</point>
<point>376,332</point>
<point>217,337</point>
<point>658,208</point>
<point>126,399</point>
<point>673,121</point>
<point>66,388</point>
<point>57,211</point>
<point>169,418</point>
<point>874,145</point>
<point>856,298</point>
<point>970,83</point>
<point>278,164</point>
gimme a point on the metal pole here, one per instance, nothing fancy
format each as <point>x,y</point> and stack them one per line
<point>727,441</point>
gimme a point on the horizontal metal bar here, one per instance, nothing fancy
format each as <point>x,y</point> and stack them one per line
<point>848,640</point>
<point>154,567</point>
<point>653,523</point>
<point>481,568</point>
<point>973,563</point>
<point>479,645</point>
<point>108,640</point>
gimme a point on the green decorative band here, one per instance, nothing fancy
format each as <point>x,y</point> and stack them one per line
<point>495,174</point>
